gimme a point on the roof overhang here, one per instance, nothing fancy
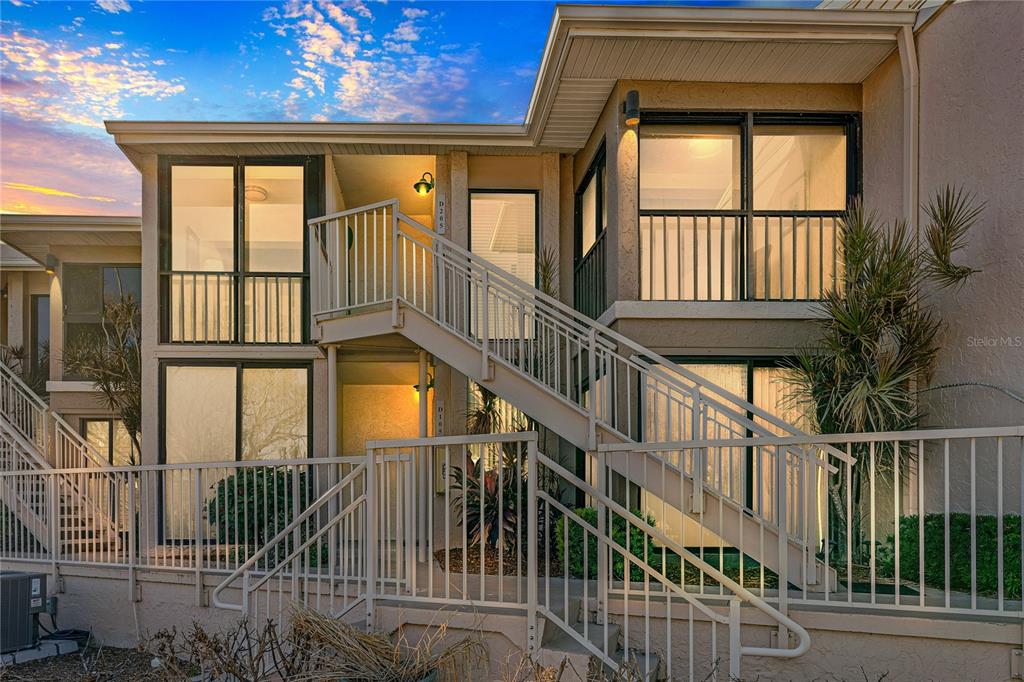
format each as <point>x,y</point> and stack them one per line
<point>589,49</point>
<point>36,235</point>
<point>12,260</point>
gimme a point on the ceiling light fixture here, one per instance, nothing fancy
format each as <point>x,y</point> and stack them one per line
<point>423,186</point>
<point>255,193</point>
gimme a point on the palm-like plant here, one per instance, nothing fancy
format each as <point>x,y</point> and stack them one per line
<point>878,334</point>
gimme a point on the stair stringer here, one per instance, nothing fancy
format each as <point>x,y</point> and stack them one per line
<point>729,521</point>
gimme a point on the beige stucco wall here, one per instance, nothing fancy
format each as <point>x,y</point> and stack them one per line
<point>972,94</point>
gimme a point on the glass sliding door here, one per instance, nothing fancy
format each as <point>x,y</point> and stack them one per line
<point>274,413</point>
<point>233,248</point>
<point>503,230</point>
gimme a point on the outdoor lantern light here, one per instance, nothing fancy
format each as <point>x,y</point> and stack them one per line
<point>423,186</point>
<point>632,108</point>
<point>52,263</point>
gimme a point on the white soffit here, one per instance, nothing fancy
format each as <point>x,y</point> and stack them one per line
<point>36,235</point>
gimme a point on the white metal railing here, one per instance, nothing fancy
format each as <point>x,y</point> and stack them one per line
<point>56,443</point>
<point>730,256</point>
<point>232,307</point>
<point>208,517</point>
<point>959,494</point>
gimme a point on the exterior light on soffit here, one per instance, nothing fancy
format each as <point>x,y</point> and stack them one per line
<point>423,186</point>
<point>52,263</point>
<point>631,107</point>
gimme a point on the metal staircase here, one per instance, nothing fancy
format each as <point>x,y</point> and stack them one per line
<point>34,438</point>
<point>376,271</point>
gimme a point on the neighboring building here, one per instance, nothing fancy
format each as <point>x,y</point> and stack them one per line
<point>687,169</point>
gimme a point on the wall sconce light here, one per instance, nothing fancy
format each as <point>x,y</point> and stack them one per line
<point>52,263</point>
<point>632,108</point>
<point>430,384</point>
<point>423,186</point>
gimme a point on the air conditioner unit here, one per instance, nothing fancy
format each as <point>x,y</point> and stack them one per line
<point>22,597</point>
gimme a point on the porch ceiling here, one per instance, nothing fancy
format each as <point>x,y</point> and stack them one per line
<point>588,49</point>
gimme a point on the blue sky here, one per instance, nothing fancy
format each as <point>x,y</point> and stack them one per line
<point>65,67</point>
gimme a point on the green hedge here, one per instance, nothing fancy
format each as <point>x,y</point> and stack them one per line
<point>960,542</point>
<point>618,532</point>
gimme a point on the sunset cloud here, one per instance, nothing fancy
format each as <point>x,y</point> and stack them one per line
<point>81,86</point>
<point>50,191</point>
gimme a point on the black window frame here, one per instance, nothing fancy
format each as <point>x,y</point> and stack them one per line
<point>83,429</point>
<point>68,317</point>
<point>35,351</point>
<point>536,219</point>
<point>314,201</point>
<point>598,164</point>
<point>239,365</point>
<point>747,120</point>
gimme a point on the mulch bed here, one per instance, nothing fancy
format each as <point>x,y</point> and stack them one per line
<point>95,664</point>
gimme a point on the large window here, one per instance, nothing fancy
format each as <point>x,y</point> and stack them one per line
<point>40,333</point>
<point>233,256</point>
<point>744,206</point>
<point>87,288</point>
<point>236,411</point>
<point>111,440</point>
<point>503,230</point>
<point>591,224</point>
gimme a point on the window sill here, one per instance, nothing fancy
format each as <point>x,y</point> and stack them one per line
<point>710,310</point>
<point>66,386</point>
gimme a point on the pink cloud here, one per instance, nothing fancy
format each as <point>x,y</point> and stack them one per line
<point>48,170</point>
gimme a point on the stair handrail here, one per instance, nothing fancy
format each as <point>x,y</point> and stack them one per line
<point>669,371</point>
<point>745,595</point>
<point>267,547</point>
<point>9,380</point>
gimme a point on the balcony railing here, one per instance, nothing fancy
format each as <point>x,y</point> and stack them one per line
<point>730,256</point>
<point>231,307</point>
<point>589,284</point>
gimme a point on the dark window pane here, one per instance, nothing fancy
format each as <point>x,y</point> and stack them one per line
<point>82,286</point>
<point>122,281</point>
<point>40,330</point>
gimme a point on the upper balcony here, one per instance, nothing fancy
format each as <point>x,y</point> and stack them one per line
<point>732,207</point>
<point>233,257</point>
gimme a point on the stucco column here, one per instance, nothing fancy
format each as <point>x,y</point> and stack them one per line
<point>623,175</point>
<point>550,208</point>
<point>566,230</point>
<point>332,401</point>
<point>458,199</point>
<point>16,309</point>
<point>150,311</point>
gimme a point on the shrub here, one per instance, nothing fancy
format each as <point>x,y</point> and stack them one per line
<point>637,540</point>
<point>960,543</point>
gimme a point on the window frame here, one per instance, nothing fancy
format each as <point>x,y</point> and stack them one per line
<point>536,220</point>
<point>83,430</point>
<point>313,207</point>
<point>239,366</point>
<point>747,120</point>
<point>599,163</point>
<point>64,321</point>
<point>34,354</point>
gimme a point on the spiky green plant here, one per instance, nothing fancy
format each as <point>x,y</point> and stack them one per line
<point>878,332</point>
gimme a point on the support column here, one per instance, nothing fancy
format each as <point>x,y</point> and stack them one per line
<point>423,463</point>
<point>911,126</point>
<point>332,401</point>
<point>16,309</point>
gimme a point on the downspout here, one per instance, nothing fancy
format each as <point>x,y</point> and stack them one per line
<point>911,127</point>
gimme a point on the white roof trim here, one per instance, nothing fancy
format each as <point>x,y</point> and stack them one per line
<point>69,223</point>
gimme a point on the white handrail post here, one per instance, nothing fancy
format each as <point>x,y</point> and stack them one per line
<point>484,324</point>
<point>245,593</point>
<point>55,526</point>
<point>592,380</point>
<point>700,464</point>
<point>197,521</point>
<point>735,644</point>
<point>783,536</point>
<point>532,472</point>
<point>371,539</point>
<point>602,532</point>
<point>314,276</point>
<point>296,532</point>
<point>394,266</point>
<point>132,540</point>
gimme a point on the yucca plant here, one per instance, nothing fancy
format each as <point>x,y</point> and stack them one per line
<point>878,333</point>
